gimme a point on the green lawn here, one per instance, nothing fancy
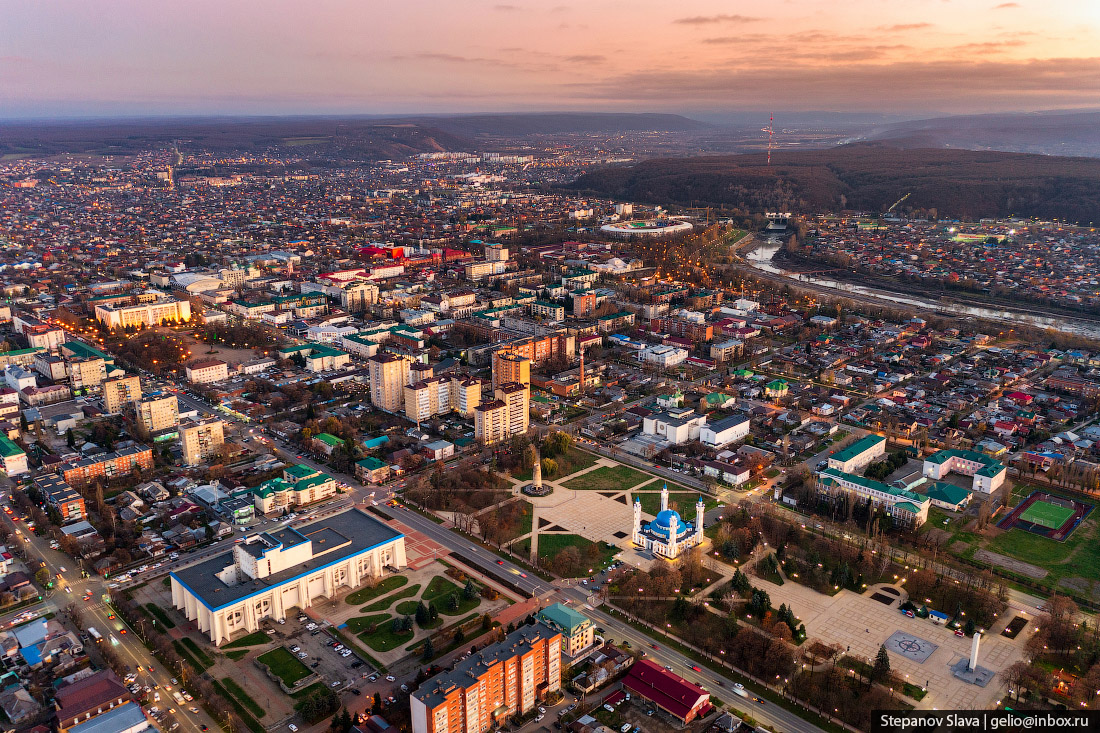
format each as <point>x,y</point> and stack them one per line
<point>161,616</point>
<point>608,478</point>
<point>188,657</point>
<point>1076,558</point>
<point>307,691</point>
<point>572,461</point>
<point>236,691</point>
<point>524,525</point>
<point>254,639</point>
<point>284,665</point>
<point>551,544</point>
<point>238,654</point>
<point>465,605</point>
<point>197,651</point>
<point>439,586</point>
<point>386,602</point>
<point>407,608</point>
<point>384,640</point>
<point>358,624</point>
<point>365,594</point>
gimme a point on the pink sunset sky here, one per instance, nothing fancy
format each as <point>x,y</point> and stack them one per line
<point>908,57</point>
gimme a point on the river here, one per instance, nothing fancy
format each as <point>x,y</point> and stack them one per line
<point>761,259</point>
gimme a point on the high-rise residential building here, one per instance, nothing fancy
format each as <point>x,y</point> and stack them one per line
<point>356,297</point>
<point>86,373</point>
<point>517,402</point>
<point>482,690</point>
<point>159,413</point>
<point>465,395</point>
<point>119,392</point>
<point>201,440</point>
<point>441,395</point>
<point>389,373</point>
<point>509,366</point>
<point>505,416</point>
<point>426,398</point>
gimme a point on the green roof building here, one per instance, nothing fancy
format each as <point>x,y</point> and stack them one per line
<point>577,630</point>
<point>906,507</point>
<point>859,454</point>
<point>988,473</point>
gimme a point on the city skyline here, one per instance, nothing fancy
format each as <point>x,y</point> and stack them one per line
<point>703,57</point>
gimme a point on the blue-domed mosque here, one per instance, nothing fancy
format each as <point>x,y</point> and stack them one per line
<point>667,535</point>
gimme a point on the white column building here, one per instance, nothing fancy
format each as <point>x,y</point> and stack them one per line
<point>290,567</point>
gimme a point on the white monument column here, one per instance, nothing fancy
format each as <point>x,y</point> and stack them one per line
<point>974,650</point>
<point>699,512</point>
<point>635,535</point>
<point>664,498</point>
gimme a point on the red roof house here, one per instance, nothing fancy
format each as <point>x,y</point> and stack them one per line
<point>670,692</point>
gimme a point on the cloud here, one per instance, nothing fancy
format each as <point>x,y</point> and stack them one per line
<point>585,58</point>
<point>1004,6</point>
<point>970,85</point>
<point>713,19</point>
<point>506,8</point>
<point>903,27</point>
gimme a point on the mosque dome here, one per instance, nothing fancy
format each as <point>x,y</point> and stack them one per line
<point>662,525</point>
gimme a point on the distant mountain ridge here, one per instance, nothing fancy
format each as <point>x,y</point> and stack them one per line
<point>368,138</point>
<point>1047,133</point>
<point>353,139</point>
<point>548,123</point>
<point>866,176</point>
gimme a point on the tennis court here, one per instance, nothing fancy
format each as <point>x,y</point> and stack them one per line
<point>1047,515</point>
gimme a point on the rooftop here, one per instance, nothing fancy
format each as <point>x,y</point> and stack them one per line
<point>563,617</point>
<point>361,531</point>
<point>466,672</point>
<point>863,444</point>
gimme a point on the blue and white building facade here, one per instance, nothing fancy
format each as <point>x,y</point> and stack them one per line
<point>271,572</point>
<point>667,535</point>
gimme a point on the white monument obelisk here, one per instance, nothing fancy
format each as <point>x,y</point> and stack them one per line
<point>974,651</point>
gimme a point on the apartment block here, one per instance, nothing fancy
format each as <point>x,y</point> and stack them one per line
<point>86,374</point>
<point>201,440</point>
<point>505,416</point>
<point>509,366</point>
<point>207,371</point>
<point>441,395</point>
<point>119,392</point>
<point>481,691</point>
<point>540,348</point>
<point>389,373</point>
<point>159,413</point>
<point>106,465</point>
<point>62,497</point>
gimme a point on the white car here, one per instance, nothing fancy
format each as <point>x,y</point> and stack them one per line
<point>390,678</point>
<point>293,728</point>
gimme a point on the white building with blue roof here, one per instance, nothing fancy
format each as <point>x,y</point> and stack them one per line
<point>667,535</point>
<point>270,572</point>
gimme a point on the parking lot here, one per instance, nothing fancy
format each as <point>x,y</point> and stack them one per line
<point>314,648</point>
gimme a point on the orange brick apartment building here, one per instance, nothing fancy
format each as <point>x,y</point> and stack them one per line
<point>107,465</point>
<point>502,679</point>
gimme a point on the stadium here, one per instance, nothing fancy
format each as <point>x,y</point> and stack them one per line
<point>647,228</point>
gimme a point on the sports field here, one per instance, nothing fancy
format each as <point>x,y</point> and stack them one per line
<point>1047,515</point>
